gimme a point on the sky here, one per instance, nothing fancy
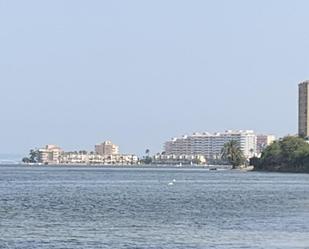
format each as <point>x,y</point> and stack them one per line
<point>75,73</point>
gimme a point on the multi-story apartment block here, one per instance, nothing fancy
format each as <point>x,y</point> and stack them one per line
<point>303,109</point>
<point>106,148</point>
<point>262,141</point>
<point>210,145</point>
<point>50,154</point>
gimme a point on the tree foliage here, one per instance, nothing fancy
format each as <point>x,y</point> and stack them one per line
<point>32,158</point>
<point>232,153</point>
<point>147,159</point>
<point>287,154</point>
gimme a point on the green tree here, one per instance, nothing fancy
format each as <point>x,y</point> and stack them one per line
<point>287,154</point>
<point>34,157</point>
<point>232,153</point>
<point>147,159</point>
<point>147,152</point>
<point>270,157</point>
<point>26,160</point>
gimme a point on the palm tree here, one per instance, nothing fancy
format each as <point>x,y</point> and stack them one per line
<point>147,159</point>
<point>34,156</point>
<point>232,153</point>
<point>147,152</point>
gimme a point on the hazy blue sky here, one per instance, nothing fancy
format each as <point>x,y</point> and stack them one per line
<point>76,73</point>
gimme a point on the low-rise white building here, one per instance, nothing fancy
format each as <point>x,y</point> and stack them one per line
<point>178,159</point>
<point>95,159</point>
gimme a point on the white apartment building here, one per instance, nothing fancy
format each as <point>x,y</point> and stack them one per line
<point>106,148</point>
<point>50,154</point>
<point>210,144</point>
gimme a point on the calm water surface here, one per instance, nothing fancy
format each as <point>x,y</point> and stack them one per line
<point>136,208</point>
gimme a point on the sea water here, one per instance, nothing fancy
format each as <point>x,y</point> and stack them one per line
<point>92,207</point>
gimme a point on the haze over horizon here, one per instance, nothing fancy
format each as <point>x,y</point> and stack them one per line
<point>76,73</point>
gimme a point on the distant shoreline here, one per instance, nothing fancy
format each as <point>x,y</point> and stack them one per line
<point>152,166</point>
<point>207,167</point>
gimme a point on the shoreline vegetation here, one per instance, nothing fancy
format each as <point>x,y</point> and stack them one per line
<point>289,154</point>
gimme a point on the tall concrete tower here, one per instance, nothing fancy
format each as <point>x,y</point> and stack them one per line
<point>303,109</point>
